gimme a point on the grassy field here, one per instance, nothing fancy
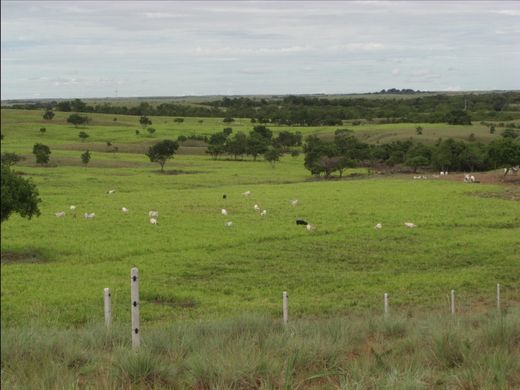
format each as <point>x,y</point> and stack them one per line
<point>211,295</point>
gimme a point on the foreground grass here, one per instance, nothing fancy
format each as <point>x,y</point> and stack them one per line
<point>405,351</point>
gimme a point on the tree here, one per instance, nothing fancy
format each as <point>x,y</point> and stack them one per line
<point>505,153</point>
<point>263,132</point>
<point>419,130</point>
<point>85,157</point>
<point>458,117</point>
<point>48,115</point>
<point>492,129</point>
<point>510,133</point>
<point>227,131</point>
<point>416,162</point>
<point>43,130</point>
<point>137,132</point>
<point>256,145</point>
<point>18,195</point>
<point>272,155</point>
<point>42,153</point>
<point>77,119</point>
<point>9,159</point>
<point>162,151</point>
<point>150,130</point>
<point>178,120</point>
<point>236,146</point>
<point>145,121</point>
<point>228,119</point>
<point>83,136</point>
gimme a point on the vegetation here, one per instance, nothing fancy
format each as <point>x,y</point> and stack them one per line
<point>85,157</point>
<point>77,119</point>
<point>9,158</point>
<point>42,153</point>
<point>404,350</point>
<point>83,136</point>
<point>18,195</point>
<point>162,151</point>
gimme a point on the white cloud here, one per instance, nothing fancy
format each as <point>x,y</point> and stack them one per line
<point>396,71</point>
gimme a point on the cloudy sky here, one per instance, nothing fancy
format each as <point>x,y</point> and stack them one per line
<point>116,48</point>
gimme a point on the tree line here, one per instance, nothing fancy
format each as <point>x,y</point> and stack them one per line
<point>320,111</point>
<point>324,157</point>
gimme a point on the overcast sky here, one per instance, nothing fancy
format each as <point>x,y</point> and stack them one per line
<point>116,48</point>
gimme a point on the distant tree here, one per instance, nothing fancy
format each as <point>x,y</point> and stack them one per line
<point>150,130</point>
<point>505,153</point>
<point>85,157</point>
<point>253,120</point>
<point>182,138</point>
<point>419,130</point>
<point>145,121</point>
<point>109,144</point>
<point>492,129</point>
<point>162,151</point>
<point>43,130</point>
<point>63,106</point>
<point>178,120</point>
<point>256,145</point>
<point>18,195</point>
<point>263,132</point>
<point>228,119</point>
<point>137,132</point>
<point>78,105</point>
<point>42,153</point>
<point>48,115</point>
<point>77,119</point>
<point>272,156</point>
<point>9,159</point>
<point>458,117</point>
<point>237,145</point>
<point>417,162</point>
<point>114,119</point>
<point>201,121</point>
<point>227,131</point>
<point>295,153</point>
<point>83,136</point>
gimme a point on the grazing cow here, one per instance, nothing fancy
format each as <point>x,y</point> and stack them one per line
<point>378,226</point>
<point>228,224</point>
<point>223,211</point>
<point>256,207</point>
<point>294,202</point>
<point>72,207</point>
<point>90,216</point>
<point>311,227</point>
<point>263,213</point>
<point>247,193</point>
<point>410,225</point>
<point>124,210</point>
<point>110,192</point>
<point>60,214</point>
<point>153,214</point>
<point>301,222</point>
<point>153,221</point>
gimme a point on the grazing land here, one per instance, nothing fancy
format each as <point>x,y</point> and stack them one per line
<point>193,268</point>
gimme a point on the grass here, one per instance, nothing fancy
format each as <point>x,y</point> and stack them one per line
<point>414,350</point>
<point>198,277</point>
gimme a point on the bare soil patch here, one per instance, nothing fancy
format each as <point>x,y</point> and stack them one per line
<point>20,258</point>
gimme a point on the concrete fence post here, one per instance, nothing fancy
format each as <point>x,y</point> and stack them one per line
<point>134,289</point>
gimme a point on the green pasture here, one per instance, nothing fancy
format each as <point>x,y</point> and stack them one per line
<point>192,266</point>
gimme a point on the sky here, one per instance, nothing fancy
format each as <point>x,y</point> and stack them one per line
<point>123,49</point>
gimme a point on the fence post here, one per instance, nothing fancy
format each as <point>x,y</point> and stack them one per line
<point>134,284</point>
<point>498,296</point>
<point>386,303</point>
<point>108,308</point>
<point>285,307</point>
<point>453,302</point>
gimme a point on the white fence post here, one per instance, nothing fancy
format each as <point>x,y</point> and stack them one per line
<point>386,303</point>
<point>285,307</point>
<point>134,283</point>
<point>453,302</point>
<point>108,308</point>
<point>498,296</point>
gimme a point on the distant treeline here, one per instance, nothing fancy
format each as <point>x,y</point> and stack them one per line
<point>318,111</point>
<point>346,151</point>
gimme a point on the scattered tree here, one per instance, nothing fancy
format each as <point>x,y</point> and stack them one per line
<point>137,132</point>
<point>83,136</point>
<point>9,159</point>
<point>85,157</point>
<point>150,130</point>
<point>18,195</point>
<point>42,153</point>
<point>492,129</point>
<point>419,130</point>
<point>272,155</point>
<point>43,130</point>
<point>48,115</point>
<point>77,119</point>
<point>178,120</point>
<point>162,151</point>
<point>228,119</point>
<point>145,121</point>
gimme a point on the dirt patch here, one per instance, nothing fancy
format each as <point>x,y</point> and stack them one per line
<point>178,172</point>
<point>20,258</point>
<point>493,177</point>
<point>511,193</point>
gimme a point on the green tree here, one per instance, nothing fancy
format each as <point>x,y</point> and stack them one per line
<point>85,157</point>
<point>505,153</point>
<point>43,130</point>
<point>237,145</point>
<point>42,153</point>
<point>83,136</point>
<point>510,133</point>
<point>178,120</point>
<point>228,119</point>
<point>162,151</point>
<point>144,121</point>
<point>272,156</point>
<point>77,119</point>
<point>492,129</point>
<point>416,162</point>
<point>150,130</point>
<point>458,117</point>
<point>419,130</point>
<point>9,159</point>
<point>18,195</point>
<point>48,115</point>
<point>256,145</point>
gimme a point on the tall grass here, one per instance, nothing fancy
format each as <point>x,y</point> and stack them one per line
<point>253,351</point>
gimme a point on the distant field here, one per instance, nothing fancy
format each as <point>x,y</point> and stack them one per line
<point>54,270</point>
